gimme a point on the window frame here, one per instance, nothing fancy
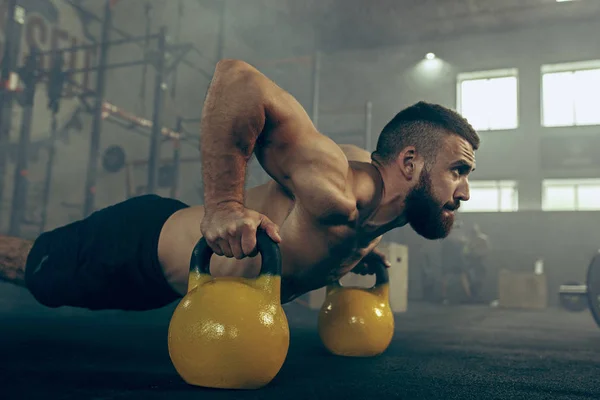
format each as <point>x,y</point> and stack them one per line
<point>497,184</point>
<point>488,75</point>
<point>576,66</point>
<point>575,184</point>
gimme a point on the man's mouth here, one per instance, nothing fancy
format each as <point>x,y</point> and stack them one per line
<point>451,209</point>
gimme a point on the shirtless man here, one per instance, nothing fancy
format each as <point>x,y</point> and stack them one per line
<point>327,206</point>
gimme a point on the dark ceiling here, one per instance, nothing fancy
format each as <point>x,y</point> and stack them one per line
<point>343,24</point>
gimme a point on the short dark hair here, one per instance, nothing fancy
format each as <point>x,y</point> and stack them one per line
<point>422,125</point>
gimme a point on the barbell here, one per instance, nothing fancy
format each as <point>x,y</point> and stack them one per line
<point>577,295</point>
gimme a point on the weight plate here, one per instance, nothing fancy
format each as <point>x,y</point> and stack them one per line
<point>571,300</point>
<point>113,159</point>
<point>593,287</point>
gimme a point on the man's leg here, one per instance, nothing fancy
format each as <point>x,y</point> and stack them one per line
<point>13,257</point>
<point>108,260</point>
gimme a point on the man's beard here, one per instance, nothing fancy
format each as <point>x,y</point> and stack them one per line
<point>425,215</point>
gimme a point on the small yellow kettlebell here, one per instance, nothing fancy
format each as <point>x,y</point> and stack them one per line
<point>357,322</point>
<point>230,332</point>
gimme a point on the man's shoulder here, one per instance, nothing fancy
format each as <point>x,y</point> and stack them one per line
<point>355,153</point>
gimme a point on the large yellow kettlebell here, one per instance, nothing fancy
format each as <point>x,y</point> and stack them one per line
<point>230,332</point>
<point>357,322</point>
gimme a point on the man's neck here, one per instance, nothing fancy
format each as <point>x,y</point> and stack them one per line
<point>376,214</point>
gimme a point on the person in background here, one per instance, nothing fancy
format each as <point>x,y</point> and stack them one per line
<point>478,249</point>
<point>454,249</point>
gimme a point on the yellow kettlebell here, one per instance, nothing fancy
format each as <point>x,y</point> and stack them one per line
<point>230,332</point>
<point>357,322</point>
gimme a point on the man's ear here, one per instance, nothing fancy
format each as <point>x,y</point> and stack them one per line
<point>408,163</point>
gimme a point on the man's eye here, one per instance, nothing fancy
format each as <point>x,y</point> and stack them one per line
<point>461,171</point>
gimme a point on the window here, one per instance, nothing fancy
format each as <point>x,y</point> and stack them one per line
<point>570,94</point>
<point>492,196</point>
<point>489,99</point>
<point>570,194</point>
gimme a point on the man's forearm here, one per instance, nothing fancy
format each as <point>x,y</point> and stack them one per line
<point>232,119</point>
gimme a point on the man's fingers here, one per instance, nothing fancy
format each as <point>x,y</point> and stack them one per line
<point>271,228</point>
<point>248,241</point>
<point>234,234</point>
<point>360,269</point>
<point>366,269</point>
<point>236,247</point>
<point>376,254</point>
<point>215,247</point>
<point>225,248</point>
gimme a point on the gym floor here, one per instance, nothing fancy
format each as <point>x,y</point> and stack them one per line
<point>438,352</point>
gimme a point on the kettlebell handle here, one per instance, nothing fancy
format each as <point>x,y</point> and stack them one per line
<point>268,249</point>
<point>381,276</point>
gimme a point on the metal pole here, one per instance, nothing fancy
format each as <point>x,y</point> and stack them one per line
<point>15,18</point>
<point>316,77</point>
<point>111,66</point>
<point>368,123</point>
<point>176,159</point>
<point>93,46</point>
<point>8,60</point>
<point>19,197</point>
<point>48,177</point>
<point>159,88</point>
<point>175,64</point>
<point>92,168</point>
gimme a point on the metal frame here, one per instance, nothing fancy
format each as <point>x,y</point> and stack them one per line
<point>13,29</point>
<point>19,197</point>
<point>156,130</point>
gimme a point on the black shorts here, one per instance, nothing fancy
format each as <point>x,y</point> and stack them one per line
<point>108,260</point>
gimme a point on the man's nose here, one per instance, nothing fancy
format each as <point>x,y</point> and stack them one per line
<point>463,192</point>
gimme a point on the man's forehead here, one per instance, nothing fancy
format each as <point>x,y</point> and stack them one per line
<point>458,148</point>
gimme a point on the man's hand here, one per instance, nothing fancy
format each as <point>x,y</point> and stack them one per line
<point>368,265</point>
<point>230,230</point>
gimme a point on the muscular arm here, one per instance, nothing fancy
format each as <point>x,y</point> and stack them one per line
<point>246,113</point>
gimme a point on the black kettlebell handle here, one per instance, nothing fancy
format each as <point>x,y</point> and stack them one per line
<point>382,275</point>
<point>268,249</point>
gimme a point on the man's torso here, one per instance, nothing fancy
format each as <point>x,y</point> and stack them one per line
<point>313,254</point>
